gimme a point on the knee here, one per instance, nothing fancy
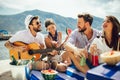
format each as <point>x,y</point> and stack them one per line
<point>61,67</point>
<point>39,65</point>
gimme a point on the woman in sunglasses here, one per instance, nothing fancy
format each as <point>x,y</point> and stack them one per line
<point>109,39</point>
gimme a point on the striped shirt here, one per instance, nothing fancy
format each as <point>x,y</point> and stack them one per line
<point>80,40</point>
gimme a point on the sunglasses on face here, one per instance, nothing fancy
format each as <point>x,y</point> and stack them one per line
<point>37,23</point>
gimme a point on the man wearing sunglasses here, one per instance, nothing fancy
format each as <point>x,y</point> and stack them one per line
<point>30,35</point>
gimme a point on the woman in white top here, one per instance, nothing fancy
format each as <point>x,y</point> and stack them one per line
<point>109,39</point>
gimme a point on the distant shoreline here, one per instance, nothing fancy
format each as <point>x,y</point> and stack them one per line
<point>4,37</point>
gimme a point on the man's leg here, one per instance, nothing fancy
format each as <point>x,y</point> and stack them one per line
<point>61,67</point>
<point>39,65</point>
<point>66,58</point>
<point>76,61</point>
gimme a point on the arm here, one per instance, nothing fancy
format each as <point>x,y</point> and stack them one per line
<point>9,45</point>
<point>94,48</point>
<point>59,38</point>
<point>48,42</point>
<point>80,52</point>
<point>53,44</point>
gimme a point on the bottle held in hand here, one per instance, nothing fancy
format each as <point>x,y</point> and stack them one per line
<point>95,60</point>
<point>82,61</point>
<point>94,54</point>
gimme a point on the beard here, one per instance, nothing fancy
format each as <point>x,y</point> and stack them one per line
<point>83,29</point>
<point>37,29</point>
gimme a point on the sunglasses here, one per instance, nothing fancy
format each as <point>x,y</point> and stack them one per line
<point>100,36</point>
<point>38,22</point>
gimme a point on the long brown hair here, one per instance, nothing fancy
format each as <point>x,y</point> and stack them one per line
<point>115,31</point>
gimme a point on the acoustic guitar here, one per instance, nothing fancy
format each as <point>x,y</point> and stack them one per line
<point>33,49</point>
<point>25,55</point>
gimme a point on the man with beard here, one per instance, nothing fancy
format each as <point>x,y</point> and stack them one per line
<point>30,35</point>
<point>81,38</point>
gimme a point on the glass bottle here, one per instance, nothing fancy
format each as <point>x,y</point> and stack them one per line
<point>33,58</point>
<point>14,61</point>
<point>82,61</point>
<point>95,61</point>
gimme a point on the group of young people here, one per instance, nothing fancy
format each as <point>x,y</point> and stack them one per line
<point>84,38</point>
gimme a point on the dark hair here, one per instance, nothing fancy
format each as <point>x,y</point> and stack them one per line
<point>86,17</point>
<point>115,31</point>
<point>49,22</point>
<point>35,17</point>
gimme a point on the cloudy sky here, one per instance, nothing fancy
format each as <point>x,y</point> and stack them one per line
<point>67,8</point>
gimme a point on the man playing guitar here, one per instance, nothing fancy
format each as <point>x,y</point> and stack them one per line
<point>30,36</point>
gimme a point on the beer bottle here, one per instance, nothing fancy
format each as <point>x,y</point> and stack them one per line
<point>14,61</point>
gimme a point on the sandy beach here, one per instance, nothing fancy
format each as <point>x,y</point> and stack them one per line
<point>5,73</point>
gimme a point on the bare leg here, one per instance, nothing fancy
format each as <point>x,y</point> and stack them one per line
<point>76,61</point>
<point>39,65</point>
<point>66,58</point>
<point>61,67</point>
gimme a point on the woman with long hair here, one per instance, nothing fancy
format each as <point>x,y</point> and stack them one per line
<point>109,40</point>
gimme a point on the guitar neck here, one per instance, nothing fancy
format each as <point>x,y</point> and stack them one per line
<point>41,51</point>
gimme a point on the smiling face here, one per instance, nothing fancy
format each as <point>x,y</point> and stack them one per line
<point>107,25</point>
<point>81,24</point>
<point>36,25</point>
<point>51,28</point>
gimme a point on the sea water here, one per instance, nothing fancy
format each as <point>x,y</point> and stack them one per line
<point>4,52</point>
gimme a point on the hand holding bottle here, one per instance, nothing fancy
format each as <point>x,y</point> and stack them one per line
<point>93,49</point>
<point>83,53</point>
<point>94,53</point>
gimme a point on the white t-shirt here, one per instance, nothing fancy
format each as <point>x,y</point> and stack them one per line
<point>26,37</point>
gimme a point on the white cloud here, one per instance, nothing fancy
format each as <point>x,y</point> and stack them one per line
<point>68,8</point>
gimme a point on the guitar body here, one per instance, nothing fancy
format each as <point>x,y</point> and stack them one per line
<point>25,55</point>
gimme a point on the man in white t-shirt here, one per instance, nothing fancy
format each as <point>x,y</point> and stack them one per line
<point>30,35</point>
